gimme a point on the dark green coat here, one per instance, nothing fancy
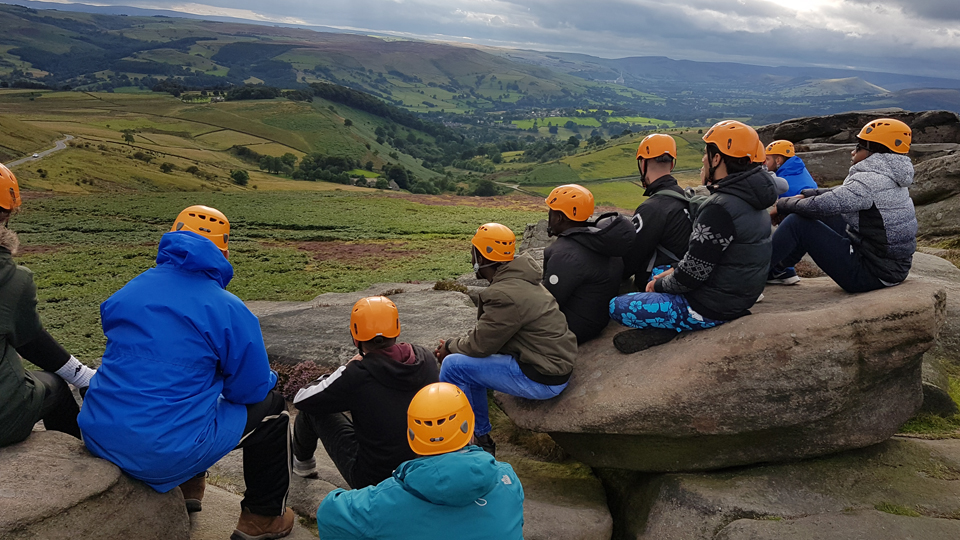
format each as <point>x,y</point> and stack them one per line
<point>20,399</point>
<point>518,316</point>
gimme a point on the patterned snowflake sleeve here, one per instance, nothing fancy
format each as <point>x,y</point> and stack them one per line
<point>712,234</point>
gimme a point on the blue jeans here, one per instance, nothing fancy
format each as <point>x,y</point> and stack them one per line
<point>658,310</point>
<point>499,372</point>
<point>828,245</point>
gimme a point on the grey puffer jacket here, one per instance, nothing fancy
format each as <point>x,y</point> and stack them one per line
<point>875,203</point>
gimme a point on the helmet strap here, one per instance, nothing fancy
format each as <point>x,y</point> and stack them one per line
<point>643,174</point>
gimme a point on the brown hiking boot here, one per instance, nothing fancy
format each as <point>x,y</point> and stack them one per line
<point>255,527</point>
<point>192,491</point>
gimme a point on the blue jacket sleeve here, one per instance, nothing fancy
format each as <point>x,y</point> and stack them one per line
<point>342,517</point>
<point>243,359</point>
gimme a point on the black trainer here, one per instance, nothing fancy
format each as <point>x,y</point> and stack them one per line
<point>486,442</point>
<point>636,340</point>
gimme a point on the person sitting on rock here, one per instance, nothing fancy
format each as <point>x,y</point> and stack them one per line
<point>782,160</point>
<point>521,344</point>
<point>376,387</point>
<point>582,268</point>
<point>724,270</point>
<point>862,233</point>
<point>185,379</point>
<point>27,397</point>
<point>662,222</point>
<point>452,487</point>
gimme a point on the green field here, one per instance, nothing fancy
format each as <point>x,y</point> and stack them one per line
<point>179,133</point>
<point>284,246</point>
<point>588,121</point>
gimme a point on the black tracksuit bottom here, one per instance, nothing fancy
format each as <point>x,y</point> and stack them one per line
<point>266,456</point>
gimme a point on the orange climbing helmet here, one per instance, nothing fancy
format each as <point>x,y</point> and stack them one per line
<point>439,420</point>
<point>205,221</point>
<point>735,139</point>
<point>761,155</point>
<point>495,242</point>
<point>656,145</point>
<point>576,202</point>
<point>9,190</point>
<point>781,148</point>
<point>374,316</point>
<point>893,134</point>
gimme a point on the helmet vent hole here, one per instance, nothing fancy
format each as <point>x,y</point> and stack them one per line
<point>436,439</point>
<point>452,416</point>
<point>418,422</point>
<point>428,422</point>
<point>441,421</point>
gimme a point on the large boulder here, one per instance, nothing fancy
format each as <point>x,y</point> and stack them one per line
<point>927,126</point>
<point>535,236</point>
<point>851,496</point>
<point>318,331</point>
<point>52,488</point>
<point>813,371</point>
<point>936,180</point>
<point>934,191</point>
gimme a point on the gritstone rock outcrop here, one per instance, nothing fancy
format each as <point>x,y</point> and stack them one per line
<point>52,488</point>
<point>813,371</point>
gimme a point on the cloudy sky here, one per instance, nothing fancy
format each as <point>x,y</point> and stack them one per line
<point>905,36</point>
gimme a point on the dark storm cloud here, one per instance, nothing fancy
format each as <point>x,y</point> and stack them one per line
<point>915,36</point>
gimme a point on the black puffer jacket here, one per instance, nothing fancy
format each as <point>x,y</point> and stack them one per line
<point>582,270</point>
<point>725,268</point>
<point>659,221</point>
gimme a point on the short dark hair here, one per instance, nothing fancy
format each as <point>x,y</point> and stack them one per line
<point>665,158</point>
<point>734,164</point>
<point>874,147</point>
<point>379,343</point>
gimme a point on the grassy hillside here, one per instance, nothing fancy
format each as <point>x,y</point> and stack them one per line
<point>184,135</point>
<point>96,52</point>
<point>19,139</point>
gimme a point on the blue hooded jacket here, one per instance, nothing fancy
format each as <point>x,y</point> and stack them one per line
<point>465,495</point>
<point>795,173</point>
<point>183,359</point>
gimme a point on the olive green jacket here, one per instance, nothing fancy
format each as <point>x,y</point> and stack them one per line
<point>20,400</point>
<point>518,316</point>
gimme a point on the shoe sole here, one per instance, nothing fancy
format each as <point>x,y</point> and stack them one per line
<point>792,280</point>
<point>193,505</point>
<point>237,535</point>
<point>307,474</point>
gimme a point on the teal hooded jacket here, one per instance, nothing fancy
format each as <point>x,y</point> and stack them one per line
<point>465,495</point>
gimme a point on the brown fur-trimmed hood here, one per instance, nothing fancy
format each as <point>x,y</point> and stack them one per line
<point>9,240</point>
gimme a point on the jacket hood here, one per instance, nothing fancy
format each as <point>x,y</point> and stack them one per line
<point>190,252</point>
<point>393,374</point>
<point>9,240</point>
<point>454,479</point>
<point>896,167</point>
<point>523,267</point>
<point>792,166</point>
<point>755,186</point>
<point>611,235</point>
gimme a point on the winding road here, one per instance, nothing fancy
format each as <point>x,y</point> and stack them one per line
<point>60,145</point>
